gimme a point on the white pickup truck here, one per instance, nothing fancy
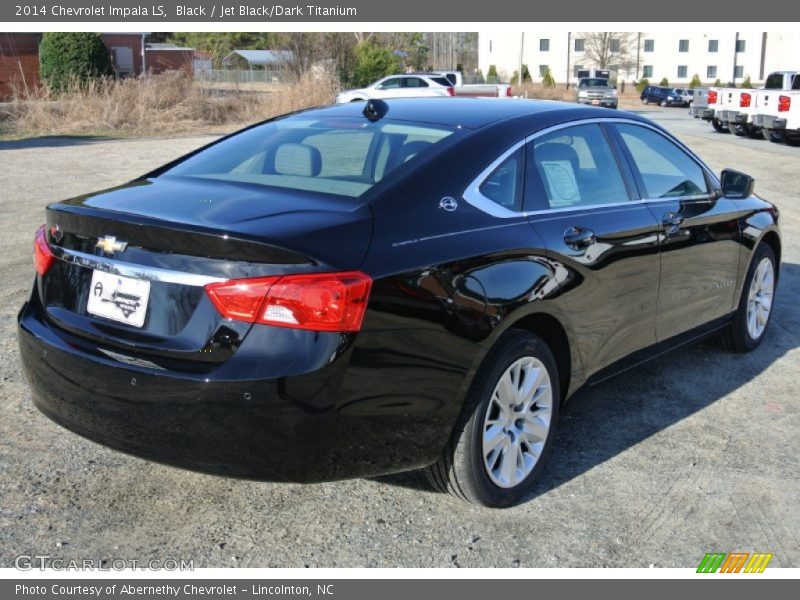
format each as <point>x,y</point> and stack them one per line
<point>735,109</point>
<point>778,113</point>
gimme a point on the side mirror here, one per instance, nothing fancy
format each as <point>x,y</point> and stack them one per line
<point>736,184</point>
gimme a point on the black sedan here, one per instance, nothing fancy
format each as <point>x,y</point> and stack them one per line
<point>372,288</point>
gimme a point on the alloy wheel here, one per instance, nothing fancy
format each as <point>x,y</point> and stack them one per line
<point>517,422</point>
<point>759,298</point>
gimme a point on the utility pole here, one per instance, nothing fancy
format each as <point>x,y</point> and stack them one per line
<point>521,47</point>
<point>569,47</point>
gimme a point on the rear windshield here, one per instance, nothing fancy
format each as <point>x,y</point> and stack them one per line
<point>593,83</point>
<point>774,81</point>
<point>442,81</point>
<point>341,156</point>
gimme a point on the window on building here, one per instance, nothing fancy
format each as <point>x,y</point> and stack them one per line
<point>649,45</point>
<point>711,72</point>
<point>580,45</point>
<point>543,69</point>
<point>738,72</point>
<point>683,45</point>
<point>544,45</point>
<point>740,45</point>
<point>613,45</point>
<point>647,71</point>
<point>682,70</point>
<point>713,45</point>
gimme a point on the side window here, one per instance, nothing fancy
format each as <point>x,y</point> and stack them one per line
<point>503,186</point>
<point>391,84</point>
<point>415,82</point>
<point>572,167</point>
<point>666,170</point>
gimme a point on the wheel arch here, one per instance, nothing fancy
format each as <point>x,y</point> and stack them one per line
<point>773,240</point>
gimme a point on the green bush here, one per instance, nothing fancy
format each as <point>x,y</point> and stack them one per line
<point>492,72</point>
<point>373,62</point>
<point>746,83</point>
<point>72,57</point>
<point>526,76</point>
<point>695,82</point>
<point>717,82</point>
<point>643,83</point>
<point>547,80</point>
<point>664,82</point>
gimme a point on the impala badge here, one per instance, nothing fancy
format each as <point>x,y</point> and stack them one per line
<point>109,244</point>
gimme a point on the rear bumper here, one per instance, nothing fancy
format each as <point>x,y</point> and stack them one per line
<point>303,428</point>
<point>769,122</point>
<point>702,112</point>
<point>733,116</point>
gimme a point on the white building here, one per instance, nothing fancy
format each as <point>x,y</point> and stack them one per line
<point>727,55</point>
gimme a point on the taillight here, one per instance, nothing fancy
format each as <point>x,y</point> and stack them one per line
<point>508,92</point>
<point>712,97</point>
<point>784,103</point>
<point>314,301</point>
<point>42,255</point>
<point>744,100</point>
<point>451,90</point>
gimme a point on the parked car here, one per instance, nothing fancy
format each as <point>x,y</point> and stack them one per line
<point>777,110</point>
<point>684,94</point>
<point>699,102</point>
<point>597,92</point>
<point>401,86</point>
<point>660,95</point>
<point>736,108</point>
<point>358,290</point>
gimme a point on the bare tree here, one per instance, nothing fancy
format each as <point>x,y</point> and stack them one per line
<point>611,49</point>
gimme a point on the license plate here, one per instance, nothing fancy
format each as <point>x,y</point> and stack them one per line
<point>595,102</point>
<point>118,298</point>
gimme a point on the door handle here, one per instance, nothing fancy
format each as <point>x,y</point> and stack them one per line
<point>672,223</point>
<point>579,238</point>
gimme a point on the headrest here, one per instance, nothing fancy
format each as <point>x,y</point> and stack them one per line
<point>298,159</point>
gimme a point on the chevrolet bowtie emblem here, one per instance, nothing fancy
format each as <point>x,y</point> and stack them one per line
<point>109,244</point>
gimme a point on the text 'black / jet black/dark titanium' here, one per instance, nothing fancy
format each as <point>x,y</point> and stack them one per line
<point>350,291</point>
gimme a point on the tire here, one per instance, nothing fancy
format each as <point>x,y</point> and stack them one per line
<point>772,136</point>
<point>753,132</point>
<point>791,139</point>
<point>739,336</point>
<point>735,129</point>
<point>645,101</point>
<point>718,126</point>
<point>464,468</point>
<point>664,103</point>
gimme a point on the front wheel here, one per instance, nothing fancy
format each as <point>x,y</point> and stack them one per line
<point>664,103</point>
<point>645,101</point>
<point>506,426</point>
<point>755,304</point>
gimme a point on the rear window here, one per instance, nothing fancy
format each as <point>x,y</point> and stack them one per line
<point>584,83</point>
<point>342,156</point>
<point>442,81</point>
<point>774,81</point>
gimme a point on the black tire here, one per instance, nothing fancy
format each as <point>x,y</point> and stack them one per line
<point>719,126</point>
<point>753,132</point>
<point>645,101</point>
<point>775,137</point>
<point>664,103</point>
<point>736,336</point>
<point>735,129</point>
<point>460,470</point>
<point>791,139</point>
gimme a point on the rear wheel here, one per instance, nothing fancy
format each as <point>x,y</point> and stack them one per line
<point>792,139</point>
<point>506,427</point>
<point>752,132</point>
<point>755,304</point>
<point>645,101</point>
<point>719,126</point>
<point>772,136</point>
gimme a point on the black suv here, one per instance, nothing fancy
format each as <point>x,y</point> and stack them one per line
<point>661,95</point>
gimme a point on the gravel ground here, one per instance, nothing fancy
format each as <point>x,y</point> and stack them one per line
<point>697,451</point>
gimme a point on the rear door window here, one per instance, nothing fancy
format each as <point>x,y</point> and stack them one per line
<point>571,168</point>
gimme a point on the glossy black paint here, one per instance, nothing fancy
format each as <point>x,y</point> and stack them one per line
<point>193,389</point>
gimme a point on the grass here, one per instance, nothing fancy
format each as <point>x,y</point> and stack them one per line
<point>162,104</point>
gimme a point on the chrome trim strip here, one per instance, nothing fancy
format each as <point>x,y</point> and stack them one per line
<point>109,265</point>
<point>473,195</point>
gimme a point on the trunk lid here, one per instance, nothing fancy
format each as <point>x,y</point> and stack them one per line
<point>180,233</point>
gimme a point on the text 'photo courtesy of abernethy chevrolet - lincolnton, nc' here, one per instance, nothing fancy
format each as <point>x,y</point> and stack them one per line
<point>386,285</point>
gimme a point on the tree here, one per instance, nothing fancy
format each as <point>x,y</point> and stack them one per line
<point>606,49</point>
<point>695,82</point>
<point>643,83</point>
<point>717,82</point>
<point>220,44</point>
<point>547,80</point>
<point>418,51</point>
<point>72,57</point>
<point>746,83</point>
<point>373,62</point>
<point>526,76</point>
<point>664,82</point>
<point>491,74</point>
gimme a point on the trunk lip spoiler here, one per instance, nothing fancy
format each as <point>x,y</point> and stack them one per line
<point>117,267</point>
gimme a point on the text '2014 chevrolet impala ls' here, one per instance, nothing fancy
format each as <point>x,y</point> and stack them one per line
<point>366,289</point>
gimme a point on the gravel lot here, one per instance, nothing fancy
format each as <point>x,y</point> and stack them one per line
<point>697,451</point>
